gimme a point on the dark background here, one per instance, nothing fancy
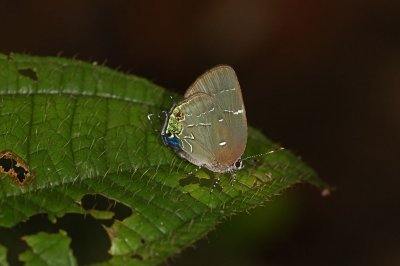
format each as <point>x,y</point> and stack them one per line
<point>320,77</point>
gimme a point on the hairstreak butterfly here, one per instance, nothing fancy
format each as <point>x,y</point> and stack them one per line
<point>209,127</point>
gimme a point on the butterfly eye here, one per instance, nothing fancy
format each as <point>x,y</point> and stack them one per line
<point>239,164</point>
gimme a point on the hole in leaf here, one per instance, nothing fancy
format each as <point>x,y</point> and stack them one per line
<point>13,166</point>
<point>101,203</point>
<point>28,73</point>
<point>89,240</point>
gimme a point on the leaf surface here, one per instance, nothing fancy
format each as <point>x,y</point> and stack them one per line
<point>82,129</point>
<point>48,249</point>
<point>3,256</point>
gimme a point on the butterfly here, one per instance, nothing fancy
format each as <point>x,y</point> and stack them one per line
<point>209,126</point>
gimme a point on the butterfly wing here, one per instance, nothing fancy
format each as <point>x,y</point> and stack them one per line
<point>215,126</point>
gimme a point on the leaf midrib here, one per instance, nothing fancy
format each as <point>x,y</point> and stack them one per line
<point>80,94</point>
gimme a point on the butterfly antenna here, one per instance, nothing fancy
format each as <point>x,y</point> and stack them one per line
<point>262,154</point>
<point>165,113</point>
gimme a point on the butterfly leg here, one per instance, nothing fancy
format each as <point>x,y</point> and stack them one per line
<point>233,178</point>
<point>216,183</point>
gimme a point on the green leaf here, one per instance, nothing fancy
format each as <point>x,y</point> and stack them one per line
<point>3,256</point>
<point>48,249</point>
<point>82,129</point>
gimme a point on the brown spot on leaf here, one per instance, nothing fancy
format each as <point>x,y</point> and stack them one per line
<point>13,166</point>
